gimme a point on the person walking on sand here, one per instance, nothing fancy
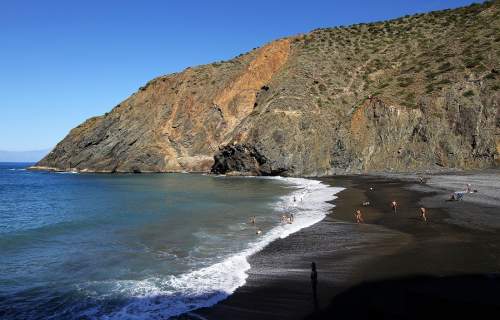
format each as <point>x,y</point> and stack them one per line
<point>394,206</point>
<point>359,217</point>
<point>314,284</point>
<point>423,213</point>
<point>291,218</point>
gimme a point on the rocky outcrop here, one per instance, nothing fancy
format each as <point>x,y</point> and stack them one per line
<point>415,93</point>
<point>244,160</point>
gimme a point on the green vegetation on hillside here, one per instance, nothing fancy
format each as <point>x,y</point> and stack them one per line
<point>403,59</point>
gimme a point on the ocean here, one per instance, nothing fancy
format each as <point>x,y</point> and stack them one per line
<point>137,246</point>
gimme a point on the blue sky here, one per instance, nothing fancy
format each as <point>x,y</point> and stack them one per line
<point>62,62</point>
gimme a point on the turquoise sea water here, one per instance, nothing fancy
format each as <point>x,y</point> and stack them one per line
<point>149,246</point>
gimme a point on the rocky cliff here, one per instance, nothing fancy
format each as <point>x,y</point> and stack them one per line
<point>419,92</point>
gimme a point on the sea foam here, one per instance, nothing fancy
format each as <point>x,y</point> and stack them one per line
<point>160,298</point>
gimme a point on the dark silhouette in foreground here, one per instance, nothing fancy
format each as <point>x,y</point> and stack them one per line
<point>419,297</point>
<point>314,284</point>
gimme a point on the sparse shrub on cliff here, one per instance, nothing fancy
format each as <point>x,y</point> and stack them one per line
<point>405,81</point>
<point>443,81</point>
<point>409,100</point>
<point>445,67</point>
<point>430,88</point>
<point>468,93</point>
<point>473,61</point>
<point>490,76</point>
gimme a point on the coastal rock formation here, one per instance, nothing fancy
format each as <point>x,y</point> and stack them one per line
<point>416,93</point>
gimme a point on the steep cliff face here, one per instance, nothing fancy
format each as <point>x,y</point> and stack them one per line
<point>414,93</point>
<point>173,123</point>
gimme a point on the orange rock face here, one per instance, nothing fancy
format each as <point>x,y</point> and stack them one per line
<point>175,123</point>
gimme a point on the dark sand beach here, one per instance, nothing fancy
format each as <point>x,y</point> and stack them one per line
<point>393,266</point>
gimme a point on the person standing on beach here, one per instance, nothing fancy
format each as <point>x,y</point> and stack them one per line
<point>423,213</point>
<point>394,206</point>
<point>359,217</point>
<point>314,284</point>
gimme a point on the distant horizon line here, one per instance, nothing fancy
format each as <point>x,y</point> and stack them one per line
<point>29,150</point>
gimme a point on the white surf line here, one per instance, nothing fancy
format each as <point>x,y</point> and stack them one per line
<point>167,297</point>
<point>195,315</point>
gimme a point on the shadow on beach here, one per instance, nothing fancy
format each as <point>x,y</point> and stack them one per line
<point>418,297</point>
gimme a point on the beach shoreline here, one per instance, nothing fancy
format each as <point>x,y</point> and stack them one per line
<point>386,247</point>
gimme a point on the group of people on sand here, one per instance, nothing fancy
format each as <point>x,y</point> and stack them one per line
<point>358,215</point>
<point>457,195</point>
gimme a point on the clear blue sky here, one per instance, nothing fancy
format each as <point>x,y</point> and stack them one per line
<point>62,62</point>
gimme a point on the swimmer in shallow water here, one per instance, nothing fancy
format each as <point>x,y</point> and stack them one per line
<point>252,220</point>
<point>258,232</point>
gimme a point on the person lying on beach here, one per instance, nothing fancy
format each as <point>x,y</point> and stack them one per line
<point>366,203</point>
<point>359,216</point>
<point>457,195</point>
<point>422,212</point>
<point>394,206</point>
<point>469,188</point>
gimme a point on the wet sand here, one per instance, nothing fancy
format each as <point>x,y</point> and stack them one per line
<point>354,260</point>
